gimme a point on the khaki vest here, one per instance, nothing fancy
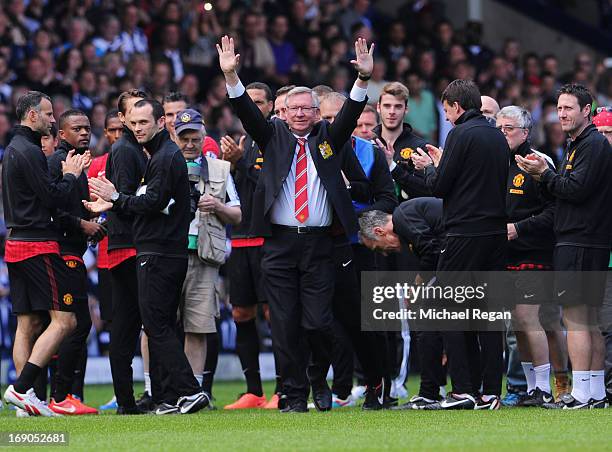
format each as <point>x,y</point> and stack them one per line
<point>211,231</point>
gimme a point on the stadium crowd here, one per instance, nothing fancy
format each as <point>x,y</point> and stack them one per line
<point>135,142</point>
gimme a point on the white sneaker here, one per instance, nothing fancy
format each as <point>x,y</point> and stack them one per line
<point>337,402</point>
<point>28,402</point>
<point>358,392</point>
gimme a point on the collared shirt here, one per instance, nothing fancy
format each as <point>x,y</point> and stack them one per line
<point>319,206</point>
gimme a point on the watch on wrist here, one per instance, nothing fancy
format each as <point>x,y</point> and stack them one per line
<point>115,196</point>
<point>365,78</point>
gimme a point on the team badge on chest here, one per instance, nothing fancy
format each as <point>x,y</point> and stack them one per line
<point>325,150</point>
<point>406,153</point>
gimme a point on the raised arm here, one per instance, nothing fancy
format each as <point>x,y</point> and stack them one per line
<point>251,117</point>
<point>346,120</point>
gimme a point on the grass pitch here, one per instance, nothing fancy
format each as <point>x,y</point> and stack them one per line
<point>342,429</point>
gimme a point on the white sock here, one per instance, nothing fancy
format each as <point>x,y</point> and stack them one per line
<point>597,386</point>
<point>581,385</point>
<point>542,377</point>
<point>147,379</point>
<point>199,378</point>
<point>529,375</point>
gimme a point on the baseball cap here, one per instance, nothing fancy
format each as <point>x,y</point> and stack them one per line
<point>210,148</point>
<point>603,118</point>
<point>189,119</point>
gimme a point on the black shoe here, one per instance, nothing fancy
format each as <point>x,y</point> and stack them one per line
<point>415,403</point>
<point>322,397</point>
<point>455,402</point>
<point>146,403</point>
<point>193,403</point>
<point>567,402</point>
<point>374,398</point>
<point>494,403</point>
<point>282,401</point>
<point>601,403</point>
<point>389,402</point>
<point>121,411</point>
<point>166,408</point>
<point>295,407</point>
<point>536,398</point>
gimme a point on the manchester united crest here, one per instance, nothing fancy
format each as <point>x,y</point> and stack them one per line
<point>518,180</point>
<point>406,153</point>
<point>71,264</point>
<point>68,299</point>
<point>325,150</point>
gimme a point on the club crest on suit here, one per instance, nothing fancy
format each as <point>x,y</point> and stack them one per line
<point>325,150</point>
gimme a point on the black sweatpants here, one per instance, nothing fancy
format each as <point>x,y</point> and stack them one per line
<point>475,358</point>
<point>349,262</point>
<point>125,330</point>
<point>430,347</point>
<point>160,281</point>
<point>298,272</point>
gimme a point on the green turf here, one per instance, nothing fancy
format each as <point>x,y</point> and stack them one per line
<point>343,429</point>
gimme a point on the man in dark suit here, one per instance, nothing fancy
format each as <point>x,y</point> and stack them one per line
<point>299,195</point>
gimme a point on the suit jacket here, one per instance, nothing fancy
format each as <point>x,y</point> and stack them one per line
<point>278,144</point>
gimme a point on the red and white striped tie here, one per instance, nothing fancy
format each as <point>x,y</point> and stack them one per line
<point>301,183</point>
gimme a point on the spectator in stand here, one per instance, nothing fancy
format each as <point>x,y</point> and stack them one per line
<point>170,50</point>
<point>256,58</point>
<point>133,39</point>
<point>284,52</point>
<point>108,40</point>
<point>422,112</point>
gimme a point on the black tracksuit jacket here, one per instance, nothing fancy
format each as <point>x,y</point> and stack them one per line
<point>28,193</point>
<point>532,211</point>
<point>125,168</point>
<point>471,178</point>
<point>418,223</point>
<point>166,179</point>
<point>72,240</point>
<point>583,192</point>
<point>410,181</point>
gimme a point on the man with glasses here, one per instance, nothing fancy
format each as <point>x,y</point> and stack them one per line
<point>297,196</point>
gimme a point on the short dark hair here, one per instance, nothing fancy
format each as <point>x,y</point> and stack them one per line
<point>175,96</point>
<point>29,101</point>
<point>580,92</point>
<point>262,86</point>
<point>464,92</point>
<point>323,90</point>
<point>284,90</point>
<point>124,96</point>
<point>53,131</point>
<point>71,113</point>
<point>112,113</point>
<point>370,109</point>
<point>158,109</point>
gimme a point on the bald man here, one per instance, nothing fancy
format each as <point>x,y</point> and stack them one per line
<point>490,107</point>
